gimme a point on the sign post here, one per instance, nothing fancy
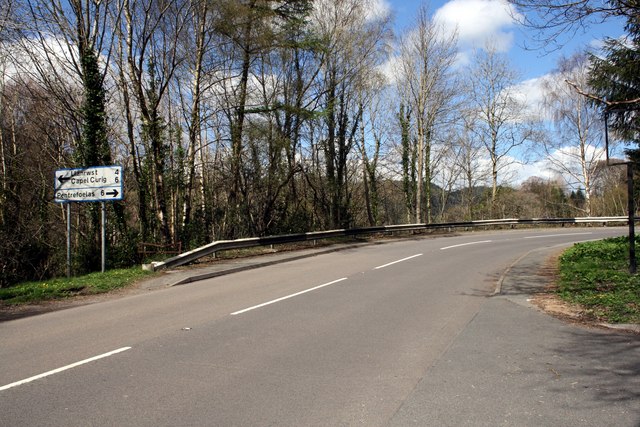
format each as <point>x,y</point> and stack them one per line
<point>631,207</point>
<point>91,184</point>
<point>68,240</point>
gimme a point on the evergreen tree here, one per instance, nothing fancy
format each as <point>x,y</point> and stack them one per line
<point>615,79</point>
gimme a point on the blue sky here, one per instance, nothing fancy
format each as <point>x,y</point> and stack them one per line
<point>479,18</point>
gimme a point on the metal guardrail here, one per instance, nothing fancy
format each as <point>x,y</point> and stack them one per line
<point>221,245</point>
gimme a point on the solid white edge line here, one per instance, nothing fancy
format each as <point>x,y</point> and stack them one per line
<point>64,368</point>
<point>395,262</point>
<point>287,297</point>
<point>465,244</point>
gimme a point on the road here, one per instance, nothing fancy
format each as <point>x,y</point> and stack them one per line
<point>374,335</point>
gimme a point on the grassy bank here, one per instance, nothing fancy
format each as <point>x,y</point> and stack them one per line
<point>60,288</point>
<point>596,276</point>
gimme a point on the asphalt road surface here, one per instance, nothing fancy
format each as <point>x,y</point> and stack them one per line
<point>401,333</point>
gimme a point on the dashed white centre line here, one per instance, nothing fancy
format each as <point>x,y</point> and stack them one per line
<point>395,262</point>
<point>287,297</point>
<point>465,244</point>
<point>64,368</point>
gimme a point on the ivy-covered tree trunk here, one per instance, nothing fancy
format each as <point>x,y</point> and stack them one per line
<point>93,148</point>
<point>408,161</point>
<point>154,128</point>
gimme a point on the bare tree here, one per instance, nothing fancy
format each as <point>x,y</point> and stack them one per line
<point>499,119</point>
<point>557,21</point>
<point>576,147</point>
<point>469,149</point>
<point>355,42</point>
<point>149,42</point>
<point>6,26</point>
<point>373,133</point>
<point>427,55</point>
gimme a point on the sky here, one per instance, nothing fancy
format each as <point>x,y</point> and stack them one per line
<point>480,20</point>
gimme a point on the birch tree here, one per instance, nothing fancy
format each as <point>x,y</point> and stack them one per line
<point>576,147</point>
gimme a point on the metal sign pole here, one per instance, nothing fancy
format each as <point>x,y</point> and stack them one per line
<point>68,240</point>
<point>632,213</point>
<point>104,234</point>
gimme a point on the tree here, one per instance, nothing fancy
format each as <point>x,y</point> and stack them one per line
<point>94,148</point>
<point>610,191</point>
<point>558,20</point>
<point>577,144</point>
<point>354,42</point>
<point>614,76</point>
<point>6,35</point>
<point>427,56</point>
<point>200,41</point>
<point>552,201</point>
<point>67,46</point>
<point>372,133</point>
<point>499,119</point>
<point>31,231</point>
<point>150,53</point>
<point>408,154</point>
<point>252,28</point>
<point>469,148</point>
<point>615,81</point>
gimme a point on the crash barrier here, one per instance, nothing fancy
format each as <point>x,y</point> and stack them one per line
<point>222,245</point>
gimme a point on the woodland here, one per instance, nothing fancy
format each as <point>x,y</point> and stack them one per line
<point>247,118</point>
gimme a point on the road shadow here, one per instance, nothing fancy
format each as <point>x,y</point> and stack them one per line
<point>611,361</point>
<point>534,274</point>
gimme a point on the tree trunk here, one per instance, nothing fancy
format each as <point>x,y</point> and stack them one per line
<point>195,126</point>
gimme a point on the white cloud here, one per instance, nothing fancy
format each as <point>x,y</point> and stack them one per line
<point>48,56</point>
<point>324,11</point>
<point>479,22</point>
<point>391,69</point>
<point>531,94</point>
<point>522,171</point>
<point>377,9</point>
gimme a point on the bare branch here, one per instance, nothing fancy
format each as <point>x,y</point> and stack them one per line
<point>602,100</point>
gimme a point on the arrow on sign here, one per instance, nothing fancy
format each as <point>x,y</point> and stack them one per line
<point>63,179</point>
<point>113,193</point>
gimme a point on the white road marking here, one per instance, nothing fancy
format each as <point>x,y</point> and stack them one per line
<point>465,244</point>
<point>557,235</point>
<point>287,297</point>
<point>395,262</point>
<point>64,368</point>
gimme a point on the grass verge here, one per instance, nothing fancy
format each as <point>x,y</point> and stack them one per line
<point>61,288</point>
<point>596,276</point>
